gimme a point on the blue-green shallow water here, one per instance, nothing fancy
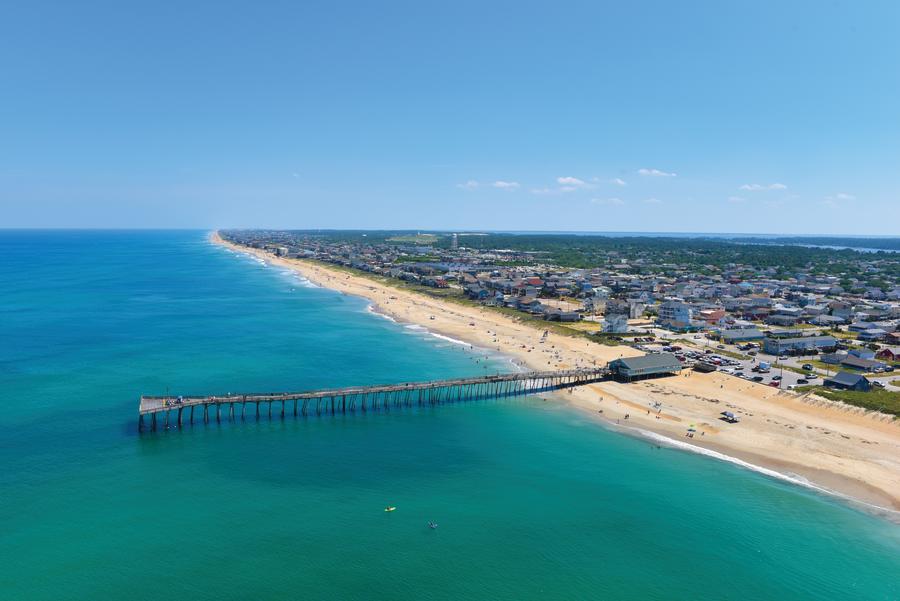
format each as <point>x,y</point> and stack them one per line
<point>533,500</point>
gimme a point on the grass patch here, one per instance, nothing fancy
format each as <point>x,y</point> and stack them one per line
<point>885,401</point>
<point>415,239</point>
<point>796,370</point>
<point>841,334</point>
<point>822,366</point>
<point>732,354</point>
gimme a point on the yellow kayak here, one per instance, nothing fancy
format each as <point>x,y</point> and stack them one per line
<point>390,508</point>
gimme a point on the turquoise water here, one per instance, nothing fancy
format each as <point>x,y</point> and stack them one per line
<point>533,501</point>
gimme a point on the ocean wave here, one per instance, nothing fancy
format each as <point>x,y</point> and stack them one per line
<point>297,278</point>
<point>448,339</point>
<point>414,329</point>
<point>371,309</point>
<point>305,283</point>
<point>790,478</point>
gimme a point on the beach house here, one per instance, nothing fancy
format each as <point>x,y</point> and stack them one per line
<point>847,381</point>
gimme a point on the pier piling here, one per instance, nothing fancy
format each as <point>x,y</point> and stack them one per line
<point>379,397</point>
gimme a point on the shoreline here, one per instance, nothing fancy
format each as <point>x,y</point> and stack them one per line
<point>829,448</point>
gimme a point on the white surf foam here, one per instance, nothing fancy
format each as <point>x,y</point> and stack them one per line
<point>791,478</point>
<point>448,339</point>
<point>299,279</point>
<point>371,309</point>
<point>307,284</point>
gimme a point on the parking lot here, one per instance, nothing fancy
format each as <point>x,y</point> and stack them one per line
<point>746,363</point>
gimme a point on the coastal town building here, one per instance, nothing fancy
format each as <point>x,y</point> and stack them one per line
<point>675,314</point>
<point>848,381</point>
<point>779,346</point>
<point>738,335</point>
<point>629,369</point>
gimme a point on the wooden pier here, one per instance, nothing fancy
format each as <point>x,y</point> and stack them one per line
<point>162,412</point>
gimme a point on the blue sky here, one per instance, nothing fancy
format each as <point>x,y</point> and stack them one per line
<point>771,117</point>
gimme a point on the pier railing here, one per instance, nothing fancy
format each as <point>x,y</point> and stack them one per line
<point>157,412</point>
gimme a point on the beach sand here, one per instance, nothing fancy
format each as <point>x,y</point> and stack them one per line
<point>835,447</point>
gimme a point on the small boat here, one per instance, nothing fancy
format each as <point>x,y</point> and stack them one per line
<point>390,508</point>
<point>432,525</point>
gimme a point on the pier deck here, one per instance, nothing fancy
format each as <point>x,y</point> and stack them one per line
<point>173,411</point>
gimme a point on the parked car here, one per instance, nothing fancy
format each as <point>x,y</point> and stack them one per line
<point>878,384</point>
<point>808,366</point>
<point>776,378</point>
<point>802,381</point>
<point>757,378</point>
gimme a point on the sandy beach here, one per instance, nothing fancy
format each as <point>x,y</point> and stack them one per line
<point>834,447</point>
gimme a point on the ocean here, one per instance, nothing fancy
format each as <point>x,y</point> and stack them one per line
<point>533,500</point>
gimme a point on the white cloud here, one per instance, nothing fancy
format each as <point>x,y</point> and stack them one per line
<point>295,175</point>
<point>655,173</point>
<point>618,181</point>
<point>607,201</point>
<point>652,201</point>
<point>469,185</point>
<point>840,197</point>
<point>735,199</point>
<point>758,187</point>
<point>568,183</point>
<point>505,185</point>
<point>544,191</point>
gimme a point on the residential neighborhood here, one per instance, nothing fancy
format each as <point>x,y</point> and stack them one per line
<point>829,321</point>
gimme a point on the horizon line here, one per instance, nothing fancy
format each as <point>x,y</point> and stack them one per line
<point>629,233</point>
